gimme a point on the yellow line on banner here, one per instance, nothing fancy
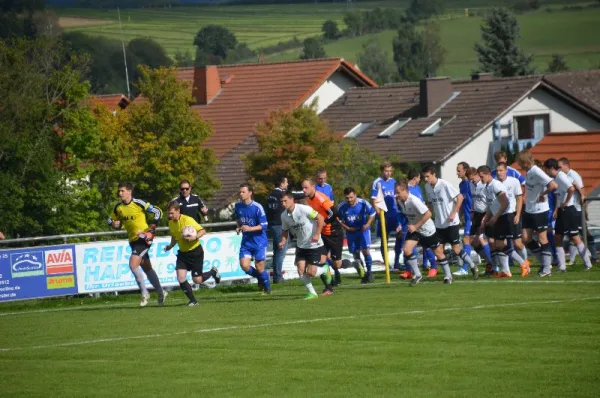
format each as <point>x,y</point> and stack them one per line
<point>386,261</point>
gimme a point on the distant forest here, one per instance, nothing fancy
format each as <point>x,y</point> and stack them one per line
<point>172,3</point>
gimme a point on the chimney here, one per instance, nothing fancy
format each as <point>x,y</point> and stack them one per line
<point>433,93</point>
<point>207,84</point>
<point>482,76</point>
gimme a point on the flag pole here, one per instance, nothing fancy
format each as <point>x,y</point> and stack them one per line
<point>386,260</point>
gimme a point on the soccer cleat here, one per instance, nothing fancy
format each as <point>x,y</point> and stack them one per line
<point>144,300</point>
<point>215,274</point>
<point>415,281</point>
<point>475,272</point>
<point>447,281</point>
<point>562,269</point>
<point>360,270</point>
<point>193,304</point>
<point>327,292</point>
<point>543,273</point>
<point>261,286</point>
<point>489,270</point>
<point>311,296</point>
<point>265,292</point>
<point>432,273</point>
<point>162,297</point>
<point>587,268</point>
<point>525,268</point>
<point>569,263</point>
<point>405,275</point>
<point>500,275</point>
<point>460,272</point>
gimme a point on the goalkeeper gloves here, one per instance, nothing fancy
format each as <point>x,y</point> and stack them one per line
<point>150,234</point>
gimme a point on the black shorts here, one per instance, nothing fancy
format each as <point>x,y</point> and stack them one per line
<point>568,222</point>
<point>334,244</point>
<point>517,229</point>
<point>191,261</point>
<point>427,242</point>
<point>476,225</point>
<point>449,235</point>
<point>310,256</point>
<point>140,248</point>
<point>504,227</point>
<point>536,221</point>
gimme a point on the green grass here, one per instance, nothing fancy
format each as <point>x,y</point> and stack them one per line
<point>487,338</point>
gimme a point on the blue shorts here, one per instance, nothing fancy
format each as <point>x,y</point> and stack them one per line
<point>468,225</point>
<point>390,225</point>
<point>358,240</point>
<point>257,253</point>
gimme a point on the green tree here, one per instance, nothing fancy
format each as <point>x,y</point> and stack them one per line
<point>424,9</point>
<point>375,63</point>
<point>313,48</point>
<point>433,52</point>
<point>18,18</point>
<point>557,64</point>
<point>499,52</point>
<point>145,51</point>
<point>354,23</point>
<point>330,30</point>
<point>183,59</point>
<point>213,43</point>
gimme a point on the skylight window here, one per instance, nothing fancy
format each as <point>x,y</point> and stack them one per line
<point>392,128</point>
<point>358,129</point>
<point>433,127</point>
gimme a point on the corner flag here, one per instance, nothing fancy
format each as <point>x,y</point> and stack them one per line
<point>379,200</point>
<point>380,204</point>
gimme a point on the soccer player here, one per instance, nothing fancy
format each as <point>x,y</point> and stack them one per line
<point>274,210</point>
<point>499,219</point>
<point>421,230</point>
<point>445,201</point>
<point>392,217</point>
<point>332,234</point>
<point>322,185</point>
<point>356,216</point>
<point>414,181</point>
<point>306,224</point>
<point>514,191</point>
<point>536,207</point>
<point>568,220</point>
<point>464,187</point>
<point>501,157</point>
<point>579,198</point>
<point>252,223</point>
<point>478,239</point>
<point>190,256</point>
<point>189,203</point>
<point>130,213</point>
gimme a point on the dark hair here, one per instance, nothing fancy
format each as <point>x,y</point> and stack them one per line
<point>385,165</point>
<point>471,171</point>
<point>288,194</point>
<point>502,164</point>
<point>349,190</point>
<point>429,169</point>
<point>464,165</point>
<point>402,184</point>
<point>185,182</point>
<point>484,169</point>
<point>499,155</point>
<point>412,173</point>
<point>127,185</point>
<point>564,161</point>
<point>279,180</point>
<point>246,185</point>
<point>174,204</point>
<point>551,164</point>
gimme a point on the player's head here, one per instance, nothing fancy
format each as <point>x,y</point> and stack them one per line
<point>485,173</point>
<point>429,174</point>
<point>414,176</point>
<point>525,159</point>
<point>501,169</point>
<point>174,210</point>
<point>321,176</point>
<point>350,195</point>
<point>287,201</point>
<point>461,169</point>
<point>125,191</point>
<point>246,192</point>
<point>401,190</point>
<point>308,187</point>
<point>185,188</point>
<point>564,164</point>
<point>281,182</point>
<point>386,170</point>
<point>551,167</point>
<point>472,175</point>
<point>500,156</point>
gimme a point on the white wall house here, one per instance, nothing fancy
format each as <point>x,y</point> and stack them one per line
<point>331,89</point>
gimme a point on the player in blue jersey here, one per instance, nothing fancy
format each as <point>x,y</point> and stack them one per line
<point>356,216</point>
<point>552,199</point>
<point>501,157</point>
<point>322,185</point>
<point>392,218</point>
<point>464,187</point>
<point>414,187</point>
<point>252,223</point>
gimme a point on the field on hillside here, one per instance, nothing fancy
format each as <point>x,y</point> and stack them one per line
<point>520,337</point>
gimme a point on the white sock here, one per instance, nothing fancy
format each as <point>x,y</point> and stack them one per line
<point>515,256</point>
<point>308,284</point>
<point>523,253</point>
<point>320,271</point>
<point>503,260</point>
<point>447,272</point>
<point>561,256</point>
<point>140,278</point>
<point>414,265</point>
<point>572,252</point>
<point>584,255</point>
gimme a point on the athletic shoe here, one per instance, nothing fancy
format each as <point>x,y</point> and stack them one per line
<point>265,292</point>
<point>569,263</point>
<point>500,275</point>
<point>360,270</point>
<point>447,281</point>
<point>587,268</point>
<point>193,304</point>
<point>525,268</point>
<point>216,275</point>
<point>543,273</point>
<point>432,273</point>
<point>489,270</point>
<point>415,281</point>
<point>261,285</point>
<point>327,292</point>
<point>562,269</point>
<point>311,296</point>
<point>475,272</point>
<point>460,272</point>
<point>405,275</point>
<point>370,277</point>
<point>337,279</point>
<point>144,300</point>
<point>162,297</point>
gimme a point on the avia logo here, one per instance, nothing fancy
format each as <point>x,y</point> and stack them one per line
<point>27,264</point>
<point>59,261</point>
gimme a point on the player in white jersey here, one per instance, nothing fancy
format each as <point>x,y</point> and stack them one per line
<point>446,201</point>
<point>478,239</point>
<point>579,197</point>
<point>538,186</point>
<point>515,194</point>
<point>421,230</point>
<point>306,225</point>
<point>568,220</point>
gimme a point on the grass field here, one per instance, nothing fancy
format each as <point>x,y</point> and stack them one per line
<point>520,337</point>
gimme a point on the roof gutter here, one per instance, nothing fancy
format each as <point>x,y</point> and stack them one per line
<point>571,100</point>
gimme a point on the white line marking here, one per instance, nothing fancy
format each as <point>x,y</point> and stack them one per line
<point>296,322</point>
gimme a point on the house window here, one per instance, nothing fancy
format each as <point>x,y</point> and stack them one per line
<point>358,129</point>
<point>392,128</point>
<point>433,127</point>
<point>532,126</point>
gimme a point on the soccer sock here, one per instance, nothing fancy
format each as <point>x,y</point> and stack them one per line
<point>320,271</point>
<point>550,235</point>
<point>253,272</point>
<point>414,265</point>
<point>488,253</point>
<point>308,284</point>
<point>153,278</point>
<point>467,249</point>
<point>467,259</point>
<point>446,267</point>
<point>536,250</point>
<point>573,252</point>
<point>503,258</point>
<point>206,276</point>
<point>368,262</point>
<point>187,289</point>
<point>495,260</point>
<point>584,254</point>
<point>140,278</point>
<point>415,253</point>
<point>524,253</point>
<point>337,275</point>
<point>266,280</point>
<point>546,257</point>
<point>329,262</point>
<point>512,253</point>
<point>561,256</point>
<point>431,257</point>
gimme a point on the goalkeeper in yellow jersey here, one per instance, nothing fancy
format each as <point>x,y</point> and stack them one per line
<point>130,213</point>
<point>186,233</point>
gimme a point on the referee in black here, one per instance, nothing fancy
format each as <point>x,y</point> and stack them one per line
<point>190,204</point>
<point>274,210</point>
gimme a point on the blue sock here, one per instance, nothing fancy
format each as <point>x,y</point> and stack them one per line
<point>266,280</point>
<point>488,253</point>
<point>329,262</point>
<point>253,272</point>
<point>550,234</point>
<point>425,259</point>
<point>368,261</point>
<point>431,257</point>
<point>468,249</point>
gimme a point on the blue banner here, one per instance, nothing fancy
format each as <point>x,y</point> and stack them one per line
<point>37,272</point>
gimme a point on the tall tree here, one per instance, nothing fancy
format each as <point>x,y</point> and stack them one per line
<point>330,30</point>
<point>145,51</point>
<point>313,48</point>
<point>18,18</point>
<point>418,54</point>
<point>375,63</point>
<point>354,23</point>
<point>499,52</point>
<point>424,9</point>
<point>213,43</point>
<point>557,64</point>
<point>433,51</point>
